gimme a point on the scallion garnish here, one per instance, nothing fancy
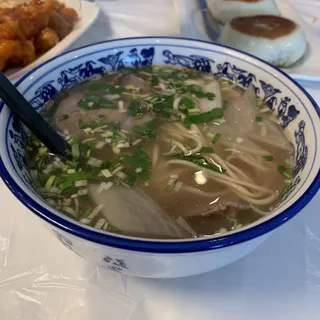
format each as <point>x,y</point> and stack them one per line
<point>216,138</point>
<point>268,158</point>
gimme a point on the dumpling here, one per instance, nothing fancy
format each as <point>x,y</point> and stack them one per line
<point>274,39</point>
<point>226,10</point>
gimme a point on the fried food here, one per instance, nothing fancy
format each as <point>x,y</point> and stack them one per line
<point>57,23</point>
<point>28,30</point>
<point>46,40</point>
<point>15,53</point>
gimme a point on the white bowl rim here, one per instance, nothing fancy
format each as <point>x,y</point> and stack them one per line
<point>162,246</point>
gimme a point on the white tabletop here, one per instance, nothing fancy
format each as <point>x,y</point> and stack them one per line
<point>42,280</point>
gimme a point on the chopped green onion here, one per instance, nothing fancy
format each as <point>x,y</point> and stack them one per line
<point>82,192</point>
<point>34,174</point>
<point>104,186</point>
<point>147,130</point>
<point>71,164</point>
<point>214,114</point>
<point>259,119</point>
<point>43,150</point>
<point>116,150</point>
<point>88,140</point>
<point>135,108</point>
<point>49,182</point>
<point>80,183</point>
<point>194,110</point>
<point>66,185</point>
<point>106,173</point>
<point>86,213</point>
<point>283,170</point>
<point>206,150</point>
<point>70,211</point>
<point>75,152</point>
<point>188,102</point>
<point>268,158</point>
<point>94,162</point>
<point>100,145</point>
<point>95,211</point>
<point>216,138</point>
<point>100,223</point>
<point>70,171</point>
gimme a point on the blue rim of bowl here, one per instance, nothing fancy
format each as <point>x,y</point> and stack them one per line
<point>167,246</point>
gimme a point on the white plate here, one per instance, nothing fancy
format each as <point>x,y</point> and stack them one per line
<point>308,68</point>
<point>87,11</point>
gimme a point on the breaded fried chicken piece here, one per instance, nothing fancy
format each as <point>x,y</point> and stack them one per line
<point>46,40</point>
<point>10,30</point>
<point>34,17</point>
<point>15,52</point>
<point>68,14</point>
<point>57,23</point>
<point>32,28</point>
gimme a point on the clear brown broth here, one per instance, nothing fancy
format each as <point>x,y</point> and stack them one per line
<point>194,208</point>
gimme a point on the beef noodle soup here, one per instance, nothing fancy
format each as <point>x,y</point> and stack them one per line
<point>164,153</point>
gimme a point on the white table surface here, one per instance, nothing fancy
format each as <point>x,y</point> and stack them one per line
<point>42,280</point>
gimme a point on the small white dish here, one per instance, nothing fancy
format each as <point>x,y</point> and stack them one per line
<point>88,12</point>
<point>308,68</point>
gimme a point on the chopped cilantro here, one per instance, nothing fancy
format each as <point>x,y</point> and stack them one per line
<point>206,150</point>
<point>84,147</point>
<point>164,107</point>
<point>136,108</point>
<point>69,191</point>
<point>132,178</point>
<point>214,114</point>
<point>93,101</point>
<point>106,165</point>
<point>188,102</point>
<point>197,91</point>
<point>91,124</point>
<point>268,158</point>
<point>282,169</point>
<point>216,138</point>
<point>259,119</point>
<point>173,75</point>
<point>138,158</point>
<point>147,130</point>
<point>80,175</point>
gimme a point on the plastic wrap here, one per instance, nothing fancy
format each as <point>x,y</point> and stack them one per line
<point>40,279</point>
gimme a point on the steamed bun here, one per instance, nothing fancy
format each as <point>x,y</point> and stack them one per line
<point>274,39</point>
<point>226,10</point>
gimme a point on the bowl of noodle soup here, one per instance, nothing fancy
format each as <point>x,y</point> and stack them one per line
<point>186,155</point>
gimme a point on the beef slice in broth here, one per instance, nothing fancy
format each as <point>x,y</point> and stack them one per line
<point>70,106</point>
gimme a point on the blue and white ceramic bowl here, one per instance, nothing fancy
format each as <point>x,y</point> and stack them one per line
<point>298,113</point>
